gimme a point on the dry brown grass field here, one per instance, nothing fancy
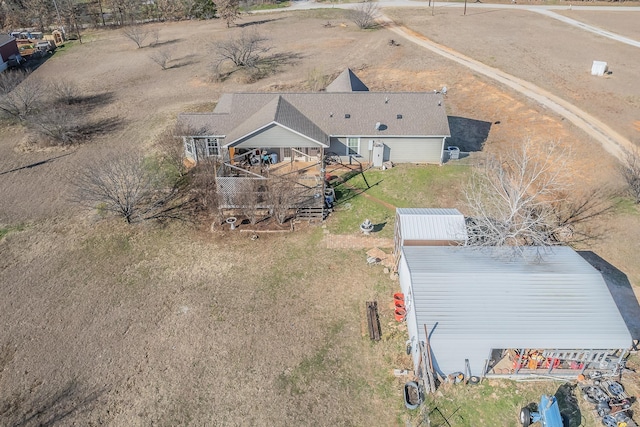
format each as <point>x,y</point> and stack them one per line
<point>107,324</point>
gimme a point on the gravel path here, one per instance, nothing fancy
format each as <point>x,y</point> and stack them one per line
<point>611,141</point>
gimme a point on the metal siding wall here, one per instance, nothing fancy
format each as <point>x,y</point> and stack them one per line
<point>469,293</point>
<point>404,276</point>
<point>339,147</point>
<point>276,137</point>
<point>449,356</point>
<point>414,150</point>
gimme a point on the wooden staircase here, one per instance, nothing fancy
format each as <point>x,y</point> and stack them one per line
<point>312,213</point>
<point>312,209</point>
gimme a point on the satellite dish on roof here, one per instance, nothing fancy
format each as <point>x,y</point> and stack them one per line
<point>378,125</point>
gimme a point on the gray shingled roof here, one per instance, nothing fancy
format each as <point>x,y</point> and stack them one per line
<point>202,124</point>
<point>347,81</point>
<point>335,114</point>
<point>279,111</point>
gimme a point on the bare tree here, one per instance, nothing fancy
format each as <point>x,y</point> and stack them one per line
<point>229,10</point>
<point>317,80</point>
<point>523,199</point>
<point>364,15</point>
<point>124,11</point>
<point>205,190</point>
<point>11,79</point>
<point>137,34</point>
<point>630,171</point>
<point>281,197</point>
<point>171,149</point>
<point>121,186</point>
<point>244,51</point>
<point>252,198</point>
<point>575,213</point>
<point>62,126</point>
<point>21,100</point>
<point>161,57</point>
<point>130,188</point>
<point>65,92</point>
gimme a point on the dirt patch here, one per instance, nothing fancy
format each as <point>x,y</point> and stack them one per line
<point>623,23</point>
<point>175,327</point>
<point>524,44</point>
<point>111,324</point>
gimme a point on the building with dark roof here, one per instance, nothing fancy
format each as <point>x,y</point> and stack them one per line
<point>8,50</point>
<point>347,120</point>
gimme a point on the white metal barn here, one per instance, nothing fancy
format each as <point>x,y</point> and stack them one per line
<point>479,303</point>
<point>428,227</point>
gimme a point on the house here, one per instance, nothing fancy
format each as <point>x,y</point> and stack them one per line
<point>347,120</point>
<point>502,311</point>
<point>8,50</point>
<point>428,227</point>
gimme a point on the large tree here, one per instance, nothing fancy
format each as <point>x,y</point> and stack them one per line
<point>243,51</point>
<point>133,188</point>
<point>20,96</point>
<point>524,197</point>
<point>364,14</point>
<point>229,10</point>
<point>630,171</point>
<point>203,9</point>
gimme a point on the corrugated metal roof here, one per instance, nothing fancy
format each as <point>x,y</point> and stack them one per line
<point>341,114</point>
<point>546,298</point>
<point>347,81</point>
<point>431,224</point>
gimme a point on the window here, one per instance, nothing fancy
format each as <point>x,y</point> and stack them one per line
<point>189,146</point>
<point>212,147</point>
<point>353,146</point>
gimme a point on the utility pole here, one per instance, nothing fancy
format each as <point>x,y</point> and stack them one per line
<point>101,12</point>
<point>55,4</point>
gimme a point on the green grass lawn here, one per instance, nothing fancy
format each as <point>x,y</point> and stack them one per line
<point>269,6</point>
<point>403,186</point>
<point>4,230</point>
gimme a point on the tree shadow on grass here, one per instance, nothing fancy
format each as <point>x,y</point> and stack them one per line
<point>102,126</point>
<point>264,67</point>
<point>184,61</point>
<point>165,43</point>
<point>36,164</point>
<point>48,408</point>
<point>379,227</point>
<point>262,21</point>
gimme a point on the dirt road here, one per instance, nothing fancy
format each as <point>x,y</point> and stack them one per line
<point>611,141</point>
<point>587,27</point>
